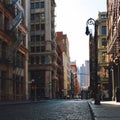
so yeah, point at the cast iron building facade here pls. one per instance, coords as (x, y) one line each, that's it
(102, 55)
(13, 50)
(113, 45)
(42, 46)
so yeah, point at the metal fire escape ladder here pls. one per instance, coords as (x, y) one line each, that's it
(15, 23)
(18, 19)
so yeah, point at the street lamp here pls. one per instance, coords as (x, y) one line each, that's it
(96, 86)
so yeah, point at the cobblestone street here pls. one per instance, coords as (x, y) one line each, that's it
(47, 110)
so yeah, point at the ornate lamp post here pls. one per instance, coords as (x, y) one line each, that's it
(94, 63)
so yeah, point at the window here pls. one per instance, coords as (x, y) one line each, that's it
(32, 60)
(104, 56)
(42, 48)
(42, 16)
(32, 27)
(33, 38)
(37, 27)
(19, 61)
(103, 16)
(104, 42)
(32, 49)
(37, 16)
(37, 5)
(4, 50)
(42, 5)
(42, 37)
(32, 5)
(32, 16)
(37, 37)
(37, 49)
(42, 59)
(37, 59)
(42, 26)
(103, 30)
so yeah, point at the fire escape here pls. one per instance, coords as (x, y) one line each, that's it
(15, 33)
(15, 23)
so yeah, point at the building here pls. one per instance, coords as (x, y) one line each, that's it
(63, 43)
(72, 86)
(113, 44)
(82, 75)
(76, 87)
(13, 50)
(87, 73)
(103, 56)
(42, 47)
(84, 79)
(60, 81)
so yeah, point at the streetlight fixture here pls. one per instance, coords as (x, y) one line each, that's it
(96, 86)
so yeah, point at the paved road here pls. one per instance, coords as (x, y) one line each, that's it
(47, 110)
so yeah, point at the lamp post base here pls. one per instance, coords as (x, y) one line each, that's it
(97, 100)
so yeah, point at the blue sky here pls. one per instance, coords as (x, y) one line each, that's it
(71, 17)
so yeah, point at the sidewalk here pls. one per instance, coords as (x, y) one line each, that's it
(108, 110)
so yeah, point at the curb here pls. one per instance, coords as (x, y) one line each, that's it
(91, 111)
(19, 103)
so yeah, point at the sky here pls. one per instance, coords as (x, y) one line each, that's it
(71, 17)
